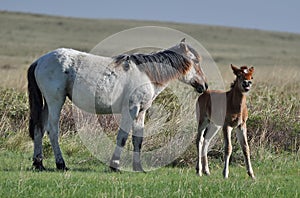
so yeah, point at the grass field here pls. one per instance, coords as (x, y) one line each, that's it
(273, 126)
(277, 176)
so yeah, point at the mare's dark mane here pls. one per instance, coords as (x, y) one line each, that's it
(160, 67)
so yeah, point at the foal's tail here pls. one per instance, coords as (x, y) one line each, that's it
(35, 101)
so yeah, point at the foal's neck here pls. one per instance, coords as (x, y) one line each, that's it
(236, 98)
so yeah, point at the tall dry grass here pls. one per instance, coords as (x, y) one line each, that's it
(273, 124)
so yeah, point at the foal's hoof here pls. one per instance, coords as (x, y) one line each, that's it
(252, 175)
(61, 166)
(38, 165)
(207, 173)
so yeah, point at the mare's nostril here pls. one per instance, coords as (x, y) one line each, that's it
(206, 86)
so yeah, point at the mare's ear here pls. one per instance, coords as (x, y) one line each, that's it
(122, 60)
(183, 45)
(235, 70)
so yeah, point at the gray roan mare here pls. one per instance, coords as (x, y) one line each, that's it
(138, 79)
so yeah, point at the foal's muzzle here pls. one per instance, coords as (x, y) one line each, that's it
(247, 85)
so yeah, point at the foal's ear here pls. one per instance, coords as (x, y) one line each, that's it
(235, 70)
(251, 70)
(182, 40)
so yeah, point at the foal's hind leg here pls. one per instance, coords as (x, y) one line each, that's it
(54, 108)
(227, 150)
(202, 127)
(211, 131)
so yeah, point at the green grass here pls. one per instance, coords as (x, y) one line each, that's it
(277, 176)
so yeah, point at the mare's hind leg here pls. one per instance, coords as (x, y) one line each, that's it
(211, 131)
(38, 149)
(242, 137)
(54, 109)
(202, 127)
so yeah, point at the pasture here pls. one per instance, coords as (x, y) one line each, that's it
(273, 124)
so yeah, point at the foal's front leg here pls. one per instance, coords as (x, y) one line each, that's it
(242, 137)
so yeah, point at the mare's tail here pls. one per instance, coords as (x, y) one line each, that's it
(35, 101)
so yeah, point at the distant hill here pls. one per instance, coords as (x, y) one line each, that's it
(25, 37)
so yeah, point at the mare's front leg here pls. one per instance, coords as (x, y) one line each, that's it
(137, 140)
(128, 118)
(122, 136)
(227, 149)
(242, 137)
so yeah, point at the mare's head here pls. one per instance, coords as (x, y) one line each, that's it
(194, 75)
(243, 77)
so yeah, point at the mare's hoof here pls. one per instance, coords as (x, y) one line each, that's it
(138, 168)
(114, 166)
(61, 166)
(113, 169)
(38, 164)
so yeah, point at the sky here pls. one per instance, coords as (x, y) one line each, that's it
(273, 15)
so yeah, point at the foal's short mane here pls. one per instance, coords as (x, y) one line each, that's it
(160, 67)
(233, 83)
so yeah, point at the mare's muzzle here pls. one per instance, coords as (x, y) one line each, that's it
(200, 88)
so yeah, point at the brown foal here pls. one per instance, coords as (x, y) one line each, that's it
(216, 109)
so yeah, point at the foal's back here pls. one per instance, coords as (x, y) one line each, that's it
(212, 105)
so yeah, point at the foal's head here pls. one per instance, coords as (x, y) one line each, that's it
(195, 75)
(243, 77)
